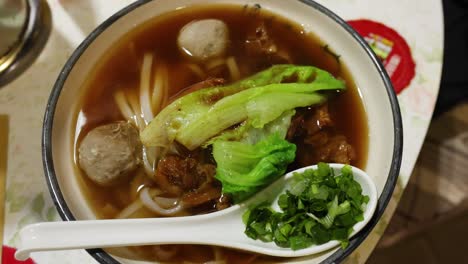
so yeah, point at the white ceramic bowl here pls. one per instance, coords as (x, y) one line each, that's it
(381, 106)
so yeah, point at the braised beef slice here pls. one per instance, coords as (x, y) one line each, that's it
(185, 173)
(308, 121)
(319, 120)
(208, 200)
(260, 46)
(331, 148)
(296, 129)
(259, 42)
(223, 202)
(203, 195)
(192, 178)
(313, 131)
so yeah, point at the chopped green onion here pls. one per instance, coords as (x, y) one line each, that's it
(320, 206)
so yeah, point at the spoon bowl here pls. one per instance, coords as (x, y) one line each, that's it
(222, 228)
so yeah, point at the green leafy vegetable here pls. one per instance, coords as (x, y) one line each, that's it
(318, 207)
(257, 101)
(247, 134)
(243, 168)
(250, 158)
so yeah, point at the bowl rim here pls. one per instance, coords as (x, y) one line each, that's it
(99, 254)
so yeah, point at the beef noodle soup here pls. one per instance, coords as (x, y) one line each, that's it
(146, 139)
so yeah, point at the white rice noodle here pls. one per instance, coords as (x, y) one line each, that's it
(145, 81)
(165, 254)
(197, 70)
(233, 68)
(153, 206)
(215, 63)
(138, 119)
(149, 160)
(130, 210)
(159, 88)
(123, 105)
(166, 202)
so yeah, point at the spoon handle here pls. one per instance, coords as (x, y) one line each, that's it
(203, 229)
(222, 228)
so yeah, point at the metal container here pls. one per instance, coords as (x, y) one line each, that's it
(24, 29)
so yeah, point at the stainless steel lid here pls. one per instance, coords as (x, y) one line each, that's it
(12, 21)
(24, 29)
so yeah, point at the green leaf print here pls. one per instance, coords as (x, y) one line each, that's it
(30, 218)
(51, 214)
(17, 204)
(38, 204)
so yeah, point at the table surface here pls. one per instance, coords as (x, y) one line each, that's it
(27, 200)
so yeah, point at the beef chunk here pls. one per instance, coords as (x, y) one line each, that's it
(296, 129)
(319, 120)
(223, 202)
(261, 47)
(308, 121)
(202, 195)
(177, 175)
(331, 148)
(259, 42)
(313, 131)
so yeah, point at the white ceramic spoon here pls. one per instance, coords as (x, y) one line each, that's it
(223, 228)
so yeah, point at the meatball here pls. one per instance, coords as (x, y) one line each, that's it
(204, 39)
(110, 152)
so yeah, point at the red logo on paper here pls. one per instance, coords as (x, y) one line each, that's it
(8, 257)
(391, 48)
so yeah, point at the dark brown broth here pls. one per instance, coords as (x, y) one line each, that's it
(120, 68)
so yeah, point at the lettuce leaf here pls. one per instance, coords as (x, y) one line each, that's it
(243, 168)
(246, 133)
(197, 117)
